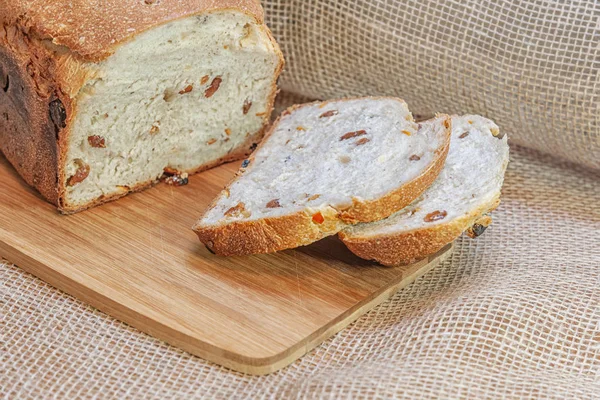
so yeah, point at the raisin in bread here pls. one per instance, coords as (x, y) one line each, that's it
(99, 99)
(466, 190)
(322, 167)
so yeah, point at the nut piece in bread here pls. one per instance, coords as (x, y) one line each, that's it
(323, 167)
(467, 189)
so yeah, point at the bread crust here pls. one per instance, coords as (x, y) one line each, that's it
(407, 247)
(41, 52)
(29, 138)
(93, 29)
(267, 235)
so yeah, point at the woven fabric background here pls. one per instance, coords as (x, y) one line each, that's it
(513, 314)
(533, 66)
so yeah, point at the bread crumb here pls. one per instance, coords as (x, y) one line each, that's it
(177, 180)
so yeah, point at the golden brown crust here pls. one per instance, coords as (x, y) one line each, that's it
(268, 235)
(92, 29)
(407, 247)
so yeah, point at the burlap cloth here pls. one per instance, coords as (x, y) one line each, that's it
(515, 313)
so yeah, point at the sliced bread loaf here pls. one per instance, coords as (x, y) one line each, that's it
(322, 167)
(103, 98)
(465, 191)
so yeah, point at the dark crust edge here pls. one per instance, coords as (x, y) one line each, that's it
(29, 139)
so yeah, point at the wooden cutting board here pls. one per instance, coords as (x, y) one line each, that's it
(138, 260)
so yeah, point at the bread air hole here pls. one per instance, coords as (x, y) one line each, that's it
(5, 82)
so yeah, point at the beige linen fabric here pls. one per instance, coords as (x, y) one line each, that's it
(514, 313)
(533, 66)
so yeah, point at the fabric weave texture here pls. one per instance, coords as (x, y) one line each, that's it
(533, 66)
(514, 313)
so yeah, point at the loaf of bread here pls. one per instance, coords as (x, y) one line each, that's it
(467, 189)
(99, 99)
(322, 167)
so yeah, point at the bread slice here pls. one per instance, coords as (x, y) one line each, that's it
(322, 167)
(99, 99)
(466, 190)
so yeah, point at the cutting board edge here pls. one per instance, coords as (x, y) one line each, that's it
(243, 364)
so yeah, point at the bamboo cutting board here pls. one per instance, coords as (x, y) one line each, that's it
(138, 260)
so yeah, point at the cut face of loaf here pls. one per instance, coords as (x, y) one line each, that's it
(322, 167)
(465, 191)
(176, 98)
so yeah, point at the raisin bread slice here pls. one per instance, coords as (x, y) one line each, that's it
(322, 167)
(99, 99)
(467, 189)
